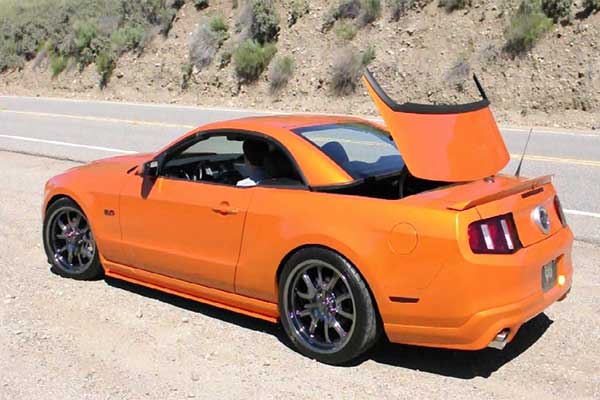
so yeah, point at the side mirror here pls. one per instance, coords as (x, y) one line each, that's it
(150, 169)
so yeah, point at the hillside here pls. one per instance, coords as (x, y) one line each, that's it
(427, 55)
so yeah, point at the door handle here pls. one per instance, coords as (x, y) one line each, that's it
(225, 209)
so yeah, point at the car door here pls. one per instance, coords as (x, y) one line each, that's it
(189, 230)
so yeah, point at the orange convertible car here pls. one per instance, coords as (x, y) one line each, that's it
(337, 227)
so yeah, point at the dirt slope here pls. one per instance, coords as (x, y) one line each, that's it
(556, 84)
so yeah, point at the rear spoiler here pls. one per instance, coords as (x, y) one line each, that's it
(525, 185)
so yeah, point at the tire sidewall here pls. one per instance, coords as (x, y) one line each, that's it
(365, 319)
(94, 270)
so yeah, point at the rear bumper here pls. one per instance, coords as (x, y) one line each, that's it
(481, 326)
(481, 329)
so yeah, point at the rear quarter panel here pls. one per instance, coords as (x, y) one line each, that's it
(281, 220)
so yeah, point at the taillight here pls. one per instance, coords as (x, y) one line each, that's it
(497, 235)
(559, 211)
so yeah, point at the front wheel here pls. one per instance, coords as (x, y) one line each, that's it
(69, 242)
(325, 307)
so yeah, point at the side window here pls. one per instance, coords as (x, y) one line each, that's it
(215, 145)
(236, 159)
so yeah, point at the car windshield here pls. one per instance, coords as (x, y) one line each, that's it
(362, 150)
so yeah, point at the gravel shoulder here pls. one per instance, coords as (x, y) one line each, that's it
(110, 340)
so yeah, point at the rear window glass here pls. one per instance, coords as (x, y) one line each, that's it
(362, 150)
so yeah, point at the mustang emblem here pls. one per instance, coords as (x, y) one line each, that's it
(540, 216)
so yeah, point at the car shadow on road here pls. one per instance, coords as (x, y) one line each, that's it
(451, 363)
(231, 317)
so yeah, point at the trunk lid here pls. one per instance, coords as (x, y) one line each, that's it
(449, 143)
(522, 197)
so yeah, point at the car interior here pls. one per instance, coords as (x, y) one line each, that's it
(225, 159)
(393, 185)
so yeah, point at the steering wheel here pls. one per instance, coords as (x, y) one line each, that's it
(181, 172)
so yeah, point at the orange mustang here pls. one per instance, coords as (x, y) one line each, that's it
(337, 227)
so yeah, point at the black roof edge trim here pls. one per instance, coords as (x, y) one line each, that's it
(339, 186)
(414, 108)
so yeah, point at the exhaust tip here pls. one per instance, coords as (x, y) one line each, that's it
(500, 340)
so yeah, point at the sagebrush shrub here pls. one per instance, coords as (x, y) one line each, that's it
(259, 21)
(345, 30)
(280, 73)
(399, 8)
(458, 74)
(362, 11)
(345, 9)
(206, 40)
(557, 9)
(127, 38)
(79, 30)
(368, 56)
(251, 58)
(298, 8)
(58, 63)
(187, 71)
(105, 65)
(527, 26)
(346, 71)
(370, 10)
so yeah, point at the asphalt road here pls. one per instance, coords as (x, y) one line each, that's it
(87, 130)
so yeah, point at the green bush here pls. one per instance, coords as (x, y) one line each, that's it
(557, 9)
(363, 11)
(206, 40)
(105, 65)
(251, 58)
(399, 8)
(298, 9)
(348, 9)
(527, 26)
(281, 72)
(226, 55)
(58, 63)
(186, 75)
(218, 24)
(347, 67)
(368, 56)
(451, 5)
(591, 5)
(369, 12)
(259, 21)
(78, 29)
(127, 38)
(345, 30)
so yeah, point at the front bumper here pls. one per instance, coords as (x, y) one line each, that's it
(481, 327)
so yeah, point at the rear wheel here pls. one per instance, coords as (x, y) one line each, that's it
(69, 242)
(325, 307)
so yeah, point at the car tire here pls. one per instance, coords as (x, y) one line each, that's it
(69, 242)
(347, 324)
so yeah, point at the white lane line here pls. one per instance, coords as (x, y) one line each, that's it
(544, 132)
(55, 142)
(584, 213)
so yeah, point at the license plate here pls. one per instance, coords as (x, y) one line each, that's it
(549, 276)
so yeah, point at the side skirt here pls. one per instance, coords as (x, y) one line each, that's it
(214, 297)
